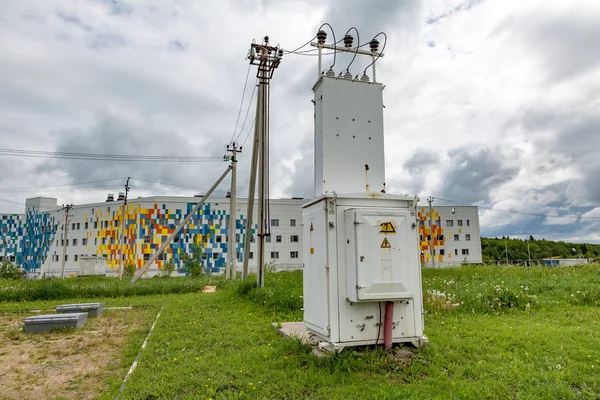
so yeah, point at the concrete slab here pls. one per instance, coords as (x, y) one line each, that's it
(92, 309)
(43, 323)
(298, 331)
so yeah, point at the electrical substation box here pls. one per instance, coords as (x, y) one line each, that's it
(361, 253)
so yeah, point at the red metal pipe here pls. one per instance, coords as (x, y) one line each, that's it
(387, 325)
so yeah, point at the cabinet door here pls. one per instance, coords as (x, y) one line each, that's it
(316, 272)
(378, 249)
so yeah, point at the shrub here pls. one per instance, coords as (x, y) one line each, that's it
(169, 268)
(10, 271)
(129, 269)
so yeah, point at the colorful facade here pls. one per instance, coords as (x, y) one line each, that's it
(449, 235)
(35, 239)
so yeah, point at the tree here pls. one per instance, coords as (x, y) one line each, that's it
(192, 262)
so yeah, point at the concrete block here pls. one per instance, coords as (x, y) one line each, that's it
(43, 323)
(92, 309)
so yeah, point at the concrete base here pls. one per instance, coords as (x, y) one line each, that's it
(92, 309)
(43, 323)
(298, 331)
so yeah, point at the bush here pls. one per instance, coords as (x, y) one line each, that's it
(10, 271)
(169, 268)
(129, 269)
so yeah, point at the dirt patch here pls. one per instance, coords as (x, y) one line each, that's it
(403, 357)
(72, 364)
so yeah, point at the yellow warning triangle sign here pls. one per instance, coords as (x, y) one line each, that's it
(387, 227)
(385, 244)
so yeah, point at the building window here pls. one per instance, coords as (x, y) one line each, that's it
(49, 243)
(468, 236)
(161, 256)
(218, 238)
(112, 240)
(275, 222)
(278, 238)
(294, 238)
(103, 240)
(86, 225)
(204, 256)
(84, 242)
(449, 222)
(438, 222)
(43, 228)
(468, 223)
(66, 257)
(429, 238)
(78, 226)
(268, 239)
(95, 241)
(117, 223)
(459, 222)
(250, 255)
(293, 254)
(292, 222)
(215, 256)
(440, 237)
(442, 252)
(95, 224)
(422, 222)
(146, 257)
(73, 226)
(465, 252)
(456, 238)
(76, 257)
(274, 255)
(74, 242)
(455, 252)
(420, 238)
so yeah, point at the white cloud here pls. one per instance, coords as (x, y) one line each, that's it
(489, 102)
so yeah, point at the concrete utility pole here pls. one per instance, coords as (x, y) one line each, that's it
(267, 58)
(123, 221)
(67, 210)
(230, 269)
(430, 200)
(169, 239)
(251, 191)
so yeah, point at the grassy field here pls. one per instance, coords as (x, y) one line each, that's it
(495, 332)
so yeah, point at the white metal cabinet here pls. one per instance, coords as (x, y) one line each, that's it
(334, 308)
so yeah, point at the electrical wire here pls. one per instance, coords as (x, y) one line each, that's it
(357, 46)
(380, 53)
(60, 186)
(173, 184)
(105, 157)
(515, 211)
(248, 134)
(12, 202)
(379, 327)
(247, 111)
(241, 103)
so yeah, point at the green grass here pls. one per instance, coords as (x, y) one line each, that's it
(87, 288)
(495, 332)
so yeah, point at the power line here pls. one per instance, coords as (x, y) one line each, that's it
(247, 111)
(107, 157)
(241, 104)
(517, 212)
(59, 186)
(174, 185)
(12, 202)
(248, 134)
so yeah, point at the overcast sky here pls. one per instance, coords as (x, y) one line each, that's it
(488, 102)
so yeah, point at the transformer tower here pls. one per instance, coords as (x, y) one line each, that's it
(362, 274)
